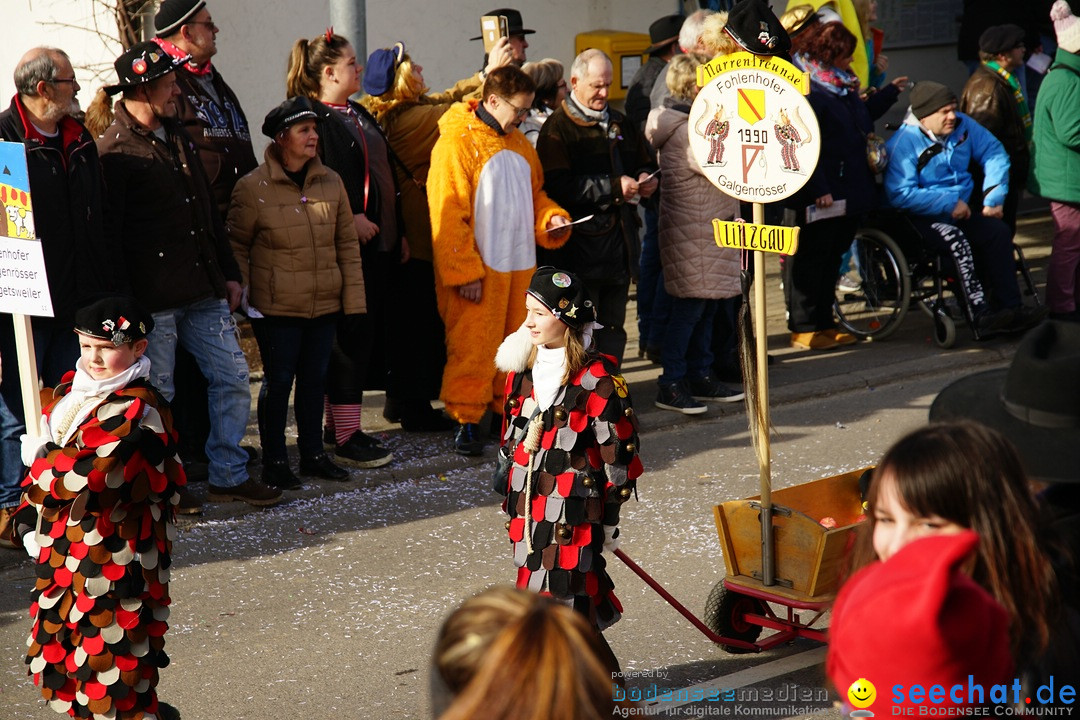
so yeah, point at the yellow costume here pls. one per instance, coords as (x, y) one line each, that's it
(488, 213)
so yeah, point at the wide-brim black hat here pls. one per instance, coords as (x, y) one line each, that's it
(664, 31)
(754, 27)
(564, 294)
(514, 24)
(142, 63)
(1035, 402)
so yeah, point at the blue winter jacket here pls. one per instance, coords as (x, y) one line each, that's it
(943, 178)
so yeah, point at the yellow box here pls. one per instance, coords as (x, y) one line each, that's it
(626, 50)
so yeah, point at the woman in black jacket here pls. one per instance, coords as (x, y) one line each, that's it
(842, 174)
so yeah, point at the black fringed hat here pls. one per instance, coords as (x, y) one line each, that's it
(754, 26)
(117, 318)
(1035, 402)
(142, 63)
(287, 114)
(174, 13)
(564, 295)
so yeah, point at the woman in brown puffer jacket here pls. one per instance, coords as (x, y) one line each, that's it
(697, 273)
(293, 235)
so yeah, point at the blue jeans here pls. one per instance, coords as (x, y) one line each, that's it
(687, 349)
(206, 329)
(56, 349)
(293, 348)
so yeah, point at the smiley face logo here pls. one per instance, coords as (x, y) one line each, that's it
(862, 693)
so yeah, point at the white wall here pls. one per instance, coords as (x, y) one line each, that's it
(256, 36)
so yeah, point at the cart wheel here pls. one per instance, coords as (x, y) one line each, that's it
(724, 612)
(944, 330)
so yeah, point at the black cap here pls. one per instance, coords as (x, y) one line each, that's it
(664, 31)
(927, 97)
(117, 318)
(142, 63)
(753, 26)
(564, 295)
(514, 23)
(287, 114)
(174, 13)
(1001, 38)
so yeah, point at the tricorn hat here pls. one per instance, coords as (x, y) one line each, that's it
(754, 26)
(1035, 402)
(172, 14)
(514, 23)
(564, 294)
(664, 31)
(117, 318)
(142, 63)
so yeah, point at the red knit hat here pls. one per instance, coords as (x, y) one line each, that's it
(918, 619)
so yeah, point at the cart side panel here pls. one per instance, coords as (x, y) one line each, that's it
(834, 548)
(725, 541)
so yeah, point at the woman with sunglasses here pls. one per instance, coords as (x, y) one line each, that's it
(488, 213)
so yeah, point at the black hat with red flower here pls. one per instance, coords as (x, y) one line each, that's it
(142, 63)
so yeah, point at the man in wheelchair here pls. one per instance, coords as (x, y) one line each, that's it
(928, 177)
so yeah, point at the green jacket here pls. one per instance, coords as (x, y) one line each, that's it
(1055, 157)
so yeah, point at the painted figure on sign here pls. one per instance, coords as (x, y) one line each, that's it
(790, 138)
(716, 132)
(23, 220)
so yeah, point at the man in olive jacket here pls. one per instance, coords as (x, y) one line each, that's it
(176, 257)
(1055, 166)
(595, 163)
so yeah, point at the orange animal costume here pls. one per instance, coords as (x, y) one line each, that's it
(488, 213)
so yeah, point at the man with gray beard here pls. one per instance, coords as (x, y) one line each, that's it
(66, 192)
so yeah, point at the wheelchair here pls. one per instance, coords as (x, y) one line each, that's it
(892, 270)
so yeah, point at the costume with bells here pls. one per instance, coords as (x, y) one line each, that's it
(97, 516)
(569, 458)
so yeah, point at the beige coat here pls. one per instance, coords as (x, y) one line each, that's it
(694, 267)
(297, 249)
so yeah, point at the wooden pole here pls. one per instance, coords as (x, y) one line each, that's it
(24, 346)
(764, 451)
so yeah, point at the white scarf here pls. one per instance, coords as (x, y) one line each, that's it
(86, 394)
(547, 374)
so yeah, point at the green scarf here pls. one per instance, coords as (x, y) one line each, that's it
(1021, 103)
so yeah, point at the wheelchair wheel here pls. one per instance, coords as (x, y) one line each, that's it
(872, 297)
(944, 330)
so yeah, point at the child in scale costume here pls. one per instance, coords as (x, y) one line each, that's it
(570, 448)
(97, 517)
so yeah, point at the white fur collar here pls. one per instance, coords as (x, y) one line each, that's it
(513, 354)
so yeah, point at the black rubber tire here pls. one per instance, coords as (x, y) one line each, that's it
(723, 615)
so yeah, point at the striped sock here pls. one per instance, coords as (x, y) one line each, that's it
(346, 420)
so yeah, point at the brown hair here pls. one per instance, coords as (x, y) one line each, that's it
(828, 43)
(506, 82)
(546, 74)
(306, 62)
(544, 662)
(99, 113)
(971, 475)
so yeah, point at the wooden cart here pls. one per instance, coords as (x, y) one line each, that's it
(807, 556)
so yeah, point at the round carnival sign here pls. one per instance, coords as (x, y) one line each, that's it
(752, 131)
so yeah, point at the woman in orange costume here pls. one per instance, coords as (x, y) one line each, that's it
(488, 213)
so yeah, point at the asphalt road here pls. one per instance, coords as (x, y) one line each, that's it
(327, 606)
